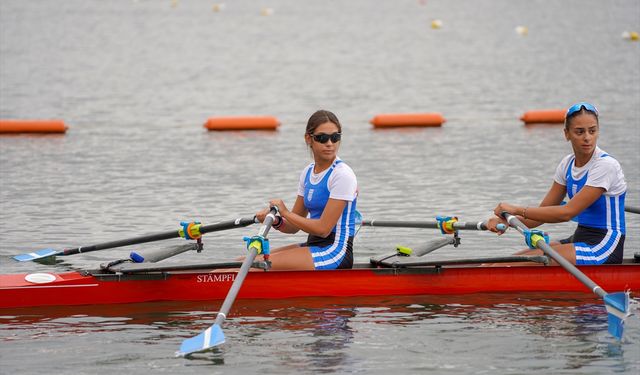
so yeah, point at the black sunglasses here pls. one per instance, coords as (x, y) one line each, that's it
(324, 138)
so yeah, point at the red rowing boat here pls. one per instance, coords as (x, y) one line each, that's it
(203, 282)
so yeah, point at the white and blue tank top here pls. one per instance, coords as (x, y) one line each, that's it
(607, 212)
(337, 182)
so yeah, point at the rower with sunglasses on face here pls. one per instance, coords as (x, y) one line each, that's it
(325, 207)
(595, 185)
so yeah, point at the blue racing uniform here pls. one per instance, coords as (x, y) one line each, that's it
(599, 237)
(338, 182)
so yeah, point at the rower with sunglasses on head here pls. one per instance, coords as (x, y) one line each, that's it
(325, 207)
(595, 185)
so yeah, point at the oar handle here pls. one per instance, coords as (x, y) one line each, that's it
(240, 222)
(549, 251)
(423, 224)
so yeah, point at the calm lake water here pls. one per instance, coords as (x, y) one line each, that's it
(135, 81)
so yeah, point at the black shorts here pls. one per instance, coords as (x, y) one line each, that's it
(316, 243)
(592, 241)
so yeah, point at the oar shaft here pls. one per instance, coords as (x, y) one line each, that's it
(119, 243)
(434, 245)
(241, 222)
(422, 224)
(242, 273)
(632, 209)
(549, 251)
(162, 254)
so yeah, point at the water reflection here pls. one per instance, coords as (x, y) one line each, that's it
(328, 315)
(332, 334)
(322, 335)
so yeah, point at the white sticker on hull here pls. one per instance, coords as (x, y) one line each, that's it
(40, 278)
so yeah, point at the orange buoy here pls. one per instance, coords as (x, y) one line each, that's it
(242, 123)
(32, 126)
(391, 120)
(544, 116)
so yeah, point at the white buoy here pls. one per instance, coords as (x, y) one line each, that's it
(522, 30)
(266, 11)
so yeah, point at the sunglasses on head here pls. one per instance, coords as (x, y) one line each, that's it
(324, 138)
(578, 107)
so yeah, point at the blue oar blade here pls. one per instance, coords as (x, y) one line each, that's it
(35, 255)
(207, 339)
(617, 305)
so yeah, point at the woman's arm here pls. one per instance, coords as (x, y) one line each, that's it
(297, 219)
(554, 197)
(298, 209)
(550, 209)
(559, 214)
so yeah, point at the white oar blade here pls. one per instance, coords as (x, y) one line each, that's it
(617, 305)
(35, 255)
(211, 337)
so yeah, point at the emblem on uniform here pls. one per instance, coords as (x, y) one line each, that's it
(310, 195)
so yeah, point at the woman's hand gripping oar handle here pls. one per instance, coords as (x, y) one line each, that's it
(617, 304)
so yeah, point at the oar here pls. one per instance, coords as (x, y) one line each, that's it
(151, 257)
(433, 245)
(162, 254)
(213, 336)
(617, 304)
(632, 209)
(240, 222)
(427, 224)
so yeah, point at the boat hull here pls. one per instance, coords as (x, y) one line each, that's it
(75, 288)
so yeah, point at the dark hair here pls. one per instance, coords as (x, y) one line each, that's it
(582, 110)
(320, 117)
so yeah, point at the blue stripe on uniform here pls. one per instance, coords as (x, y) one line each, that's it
(597, 254)
(329, 257)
